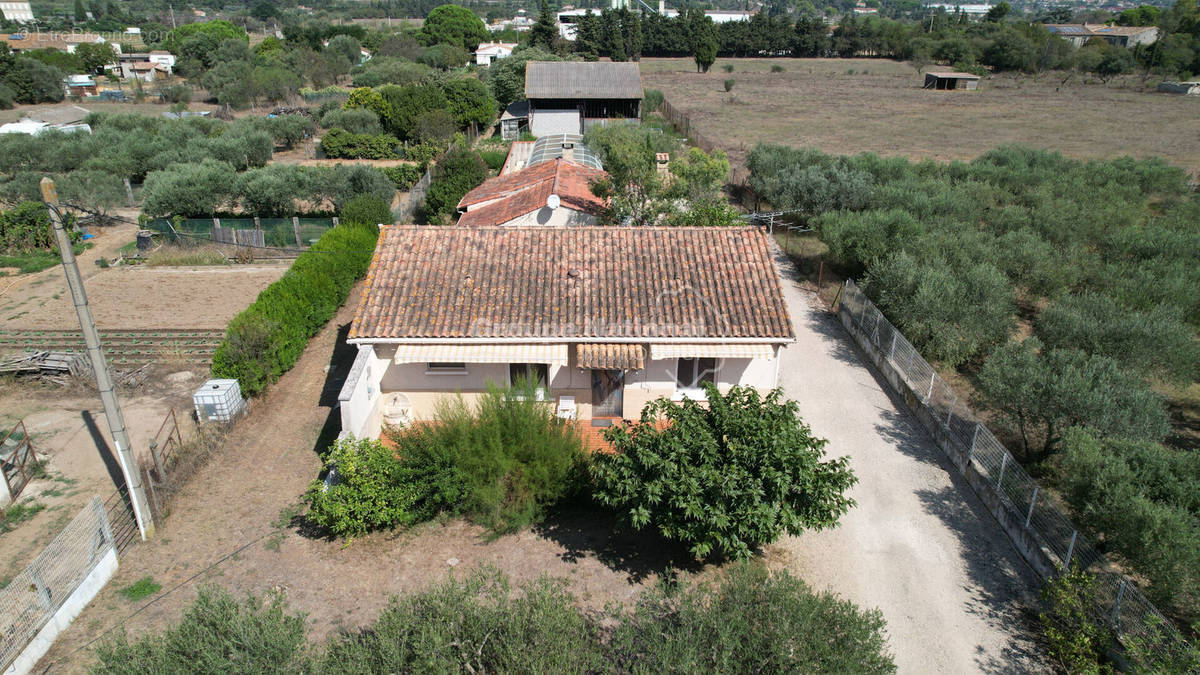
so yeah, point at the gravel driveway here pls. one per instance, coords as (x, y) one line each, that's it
(919, 545)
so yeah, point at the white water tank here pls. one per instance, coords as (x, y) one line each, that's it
(219, 401)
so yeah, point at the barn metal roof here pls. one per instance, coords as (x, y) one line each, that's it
(571, 79)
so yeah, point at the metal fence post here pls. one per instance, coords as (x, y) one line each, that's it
(1070, 551)
(974, 437)
(1116, 613)
(929, 394)
(892, 351)
(102, 518)
(950, 414)
(1003, 466)
(1032, 501)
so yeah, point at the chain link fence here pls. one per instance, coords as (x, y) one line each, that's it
(290, 233)
(36, 595)
(1044, 535)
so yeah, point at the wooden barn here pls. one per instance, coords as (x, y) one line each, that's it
(570, 97)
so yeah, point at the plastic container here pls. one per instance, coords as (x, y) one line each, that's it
(219, 401)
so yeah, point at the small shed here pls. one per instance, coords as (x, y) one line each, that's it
(951, 81)
(515, 116)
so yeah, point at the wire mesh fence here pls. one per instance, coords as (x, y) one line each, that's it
(974, 448)
(36, 593)
(297, 232)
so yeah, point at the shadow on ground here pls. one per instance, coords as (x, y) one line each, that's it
(588, 530)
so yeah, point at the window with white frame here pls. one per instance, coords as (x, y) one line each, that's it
(691, 374)
(535, 374)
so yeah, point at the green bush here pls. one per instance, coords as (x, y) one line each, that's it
(421, 153)
(265, 340)
(494, 158)
(1076, 634)
(476, 624)
(751, 621)
(355, 121)
(341, 144)
(366, 210)
(652, 101)
(500, 463)
(404, 175)
(367, 493)
(729, 84)
(456, 173)
(747, 621)
(217, 634)
(1143, 500)
(725, 478)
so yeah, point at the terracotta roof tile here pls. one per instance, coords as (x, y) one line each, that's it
(581, 282)
(518, 193)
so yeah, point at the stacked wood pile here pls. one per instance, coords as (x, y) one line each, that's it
(60, 367)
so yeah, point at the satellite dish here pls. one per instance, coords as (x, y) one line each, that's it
(553, 201)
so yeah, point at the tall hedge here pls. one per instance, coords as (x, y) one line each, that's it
(267, 338)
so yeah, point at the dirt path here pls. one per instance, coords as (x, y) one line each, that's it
(222, 530)
(919, 545)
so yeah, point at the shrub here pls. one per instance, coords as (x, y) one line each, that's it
(217, 634)
(367, 491)
(421, 153)
(500, 463)
(178, 93)
(652, 100)
(341, 144)
(729, 84)
(265, 339)
(1076, 635)
(728, 67)
(475, 624)
(777, 68)
(366, 210)
(494, 158)
(404, 175)
(752, 620)
(458, 171)
(722, 479)
(1143, 499)
(354, 120)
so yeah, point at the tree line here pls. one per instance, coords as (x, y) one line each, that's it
(995, 43)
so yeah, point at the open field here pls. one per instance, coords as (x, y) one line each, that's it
(127, 298)
(882, 108)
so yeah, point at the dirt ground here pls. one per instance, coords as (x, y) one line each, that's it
(223, 530)
(69, 432)
(882, 108)
(918, 546)
(134, 297)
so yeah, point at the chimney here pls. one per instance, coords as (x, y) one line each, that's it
(662, 163)
(568, 153)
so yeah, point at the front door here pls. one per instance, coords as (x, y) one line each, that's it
(606, 393)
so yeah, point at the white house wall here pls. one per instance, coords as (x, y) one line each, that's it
(425, 390)
(560, 217)
(550, 121)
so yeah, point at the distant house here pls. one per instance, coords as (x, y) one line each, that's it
(63, 42)
(569, 97)
(80, 85)
(17, 12)
(951, 81)
(1122, 36)
(490, 51)
(601, 319)
(552, 187)
(972, 10)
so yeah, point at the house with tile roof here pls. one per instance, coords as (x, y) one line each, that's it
(603, 319)
(547, 182)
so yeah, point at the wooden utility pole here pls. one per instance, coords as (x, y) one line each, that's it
(104, 382)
